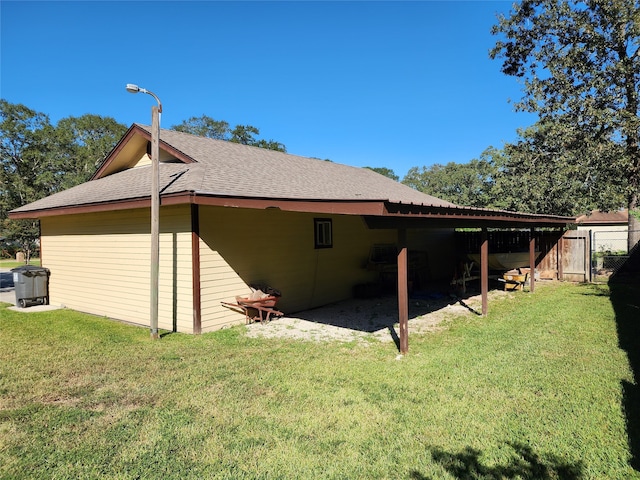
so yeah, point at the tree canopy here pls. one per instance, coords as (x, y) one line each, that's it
(469, 184)
(38, 159)
(580, 63)
(541, 172)
(387, 172)
(550, 169)
(23, 159)
(206, 126)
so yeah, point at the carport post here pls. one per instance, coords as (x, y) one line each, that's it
(403, 293)
(484, 270)
(560, 260)
(532, 260)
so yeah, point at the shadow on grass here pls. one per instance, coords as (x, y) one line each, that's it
(625, 298)
(525, 463)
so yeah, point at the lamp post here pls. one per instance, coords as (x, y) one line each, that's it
(155, 204)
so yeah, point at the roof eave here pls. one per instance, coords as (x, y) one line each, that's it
(379, 213)
(127, 204)
(471, 212)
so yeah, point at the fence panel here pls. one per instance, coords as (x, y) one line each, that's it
(547, 263)
(609, 253)
(575, 256)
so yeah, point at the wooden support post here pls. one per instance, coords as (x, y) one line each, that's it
(484, 270)
(532, 260)
(403, 292)
(195, 268)
(560, 247)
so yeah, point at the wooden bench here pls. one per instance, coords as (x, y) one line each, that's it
(514, 281)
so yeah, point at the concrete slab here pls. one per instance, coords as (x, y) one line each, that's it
(7, 296)
(35, 308)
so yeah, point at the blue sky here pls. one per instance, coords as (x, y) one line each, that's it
(380, 84)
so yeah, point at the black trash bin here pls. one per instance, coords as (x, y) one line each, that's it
(31, 285)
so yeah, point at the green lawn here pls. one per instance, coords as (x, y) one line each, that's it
(12, 263)
(540, 388)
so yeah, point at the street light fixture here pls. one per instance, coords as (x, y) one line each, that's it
(155, 204)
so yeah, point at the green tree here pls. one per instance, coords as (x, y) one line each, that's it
(25, 169)
(206, 126)
(550, 170)
(82, 145)
(580, 61)
(270, 145)
(244, 134)
(387, 172)
(21, 155)
(468, 184)
(38, 159)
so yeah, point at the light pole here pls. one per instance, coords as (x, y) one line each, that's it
(155, 204)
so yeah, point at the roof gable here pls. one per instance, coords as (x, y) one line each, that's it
(132, 147)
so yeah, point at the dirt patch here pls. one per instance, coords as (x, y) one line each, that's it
(369, 319)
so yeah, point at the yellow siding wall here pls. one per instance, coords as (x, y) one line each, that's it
(145, 159)
(218, 283)
(240, 247)
(100, 264)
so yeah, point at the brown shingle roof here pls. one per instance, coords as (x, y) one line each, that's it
(239, 170)
(129, 184)
(597, 217)
(215, 172)
(233, 170)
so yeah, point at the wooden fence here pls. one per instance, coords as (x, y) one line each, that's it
(564, 256)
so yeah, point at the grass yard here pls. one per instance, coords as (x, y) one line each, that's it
(543, 387)
(11, 263)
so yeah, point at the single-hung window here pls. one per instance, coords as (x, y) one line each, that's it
(323, 233)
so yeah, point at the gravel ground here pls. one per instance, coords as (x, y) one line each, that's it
(369, 319)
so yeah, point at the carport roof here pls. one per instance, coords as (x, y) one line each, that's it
(205, 171)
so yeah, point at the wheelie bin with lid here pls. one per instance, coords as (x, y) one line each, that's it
(31, 285)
